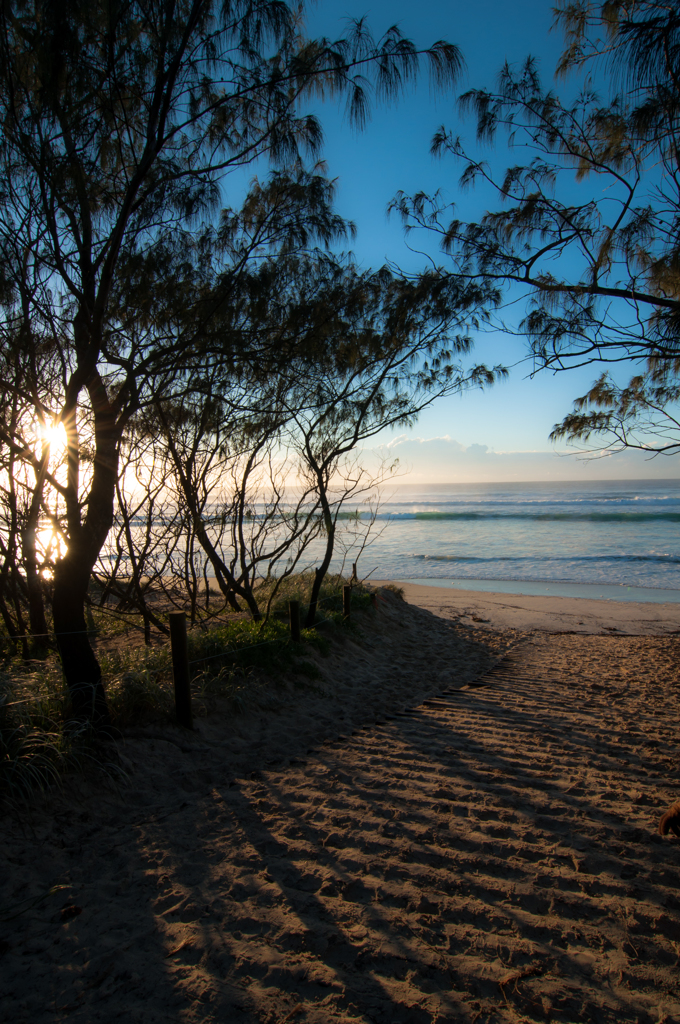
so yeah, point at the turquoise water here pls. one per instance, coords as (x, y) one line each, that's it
(616, 540)
(610, 539)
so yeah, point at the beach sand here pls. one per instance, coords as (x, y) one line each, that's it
(555, 614)
(458, 824)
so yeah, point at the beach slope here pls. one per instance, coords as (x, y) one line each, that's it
(457, 824)
(554, 614)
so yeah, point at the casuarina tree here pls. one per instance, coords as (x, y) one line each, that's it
(586, 234)
(120, 122)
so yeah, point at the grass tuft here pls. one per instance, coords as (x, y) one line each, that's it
(138, 684)
(36, 751)
(298, 588)
(237, 661)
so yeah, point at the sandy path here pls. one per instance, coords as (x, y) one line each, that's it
(489, 855)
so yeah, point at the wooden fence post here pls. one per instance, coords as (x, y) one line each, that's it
(180, 669)
(294, 619)
(346, 602)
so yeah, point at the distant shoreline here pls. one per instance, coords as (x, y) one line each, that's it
(552, 588)
(645, 481)
(497, 610)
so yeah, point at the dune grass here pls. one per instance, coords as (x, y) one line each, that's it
(242, 663)
(298, 588)
(38, 746)
(33, 749)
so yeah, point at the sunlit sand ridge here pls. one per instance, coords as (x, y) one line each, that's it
(489, 854)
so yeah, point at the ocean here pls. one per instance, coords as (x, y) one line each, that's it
(617, 539)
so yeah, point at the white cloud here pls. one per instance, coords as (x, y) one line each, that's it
(445, 460)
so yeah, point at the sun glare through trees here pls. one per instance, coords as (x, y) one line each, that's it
(172, 358)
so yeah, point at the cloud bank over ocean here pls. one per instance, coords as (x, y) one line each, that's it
(445, 460)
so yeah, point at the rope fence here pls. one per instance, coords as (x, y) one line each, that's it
(53, 635)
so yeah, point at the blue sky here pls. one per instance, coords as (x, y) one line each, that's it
(392, 153)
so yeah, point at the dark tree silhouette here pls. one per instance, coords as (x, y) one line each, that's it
(610, 418)
(120, 122)
(588, 233)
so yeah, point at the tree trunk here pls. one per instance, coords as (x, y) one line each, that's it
(36, 604)
(18, 596)
(9, 622)
(85, 540)
(81, 668)
(314, 598)
(320, 573)
(225, 579)
(29, 544)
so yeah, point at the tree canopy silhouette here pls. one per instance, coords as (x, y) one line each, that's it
(120, 123)
(588, 229)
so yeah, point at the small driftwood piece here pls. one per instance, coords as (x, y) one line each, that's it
(670, 822)
(515, 976)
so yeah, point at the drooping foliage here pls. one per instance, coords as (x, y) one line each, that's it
(642, 415)
(127, 274)
(587, 231)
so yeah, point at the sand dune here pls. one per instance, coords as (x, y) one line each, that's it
(471, 838)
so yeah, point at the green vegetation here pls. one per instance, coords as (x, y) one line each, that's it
(186, 358)
(585, 235)
(239, 662)
(36, 750)
(33, 751)
(276, 596)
